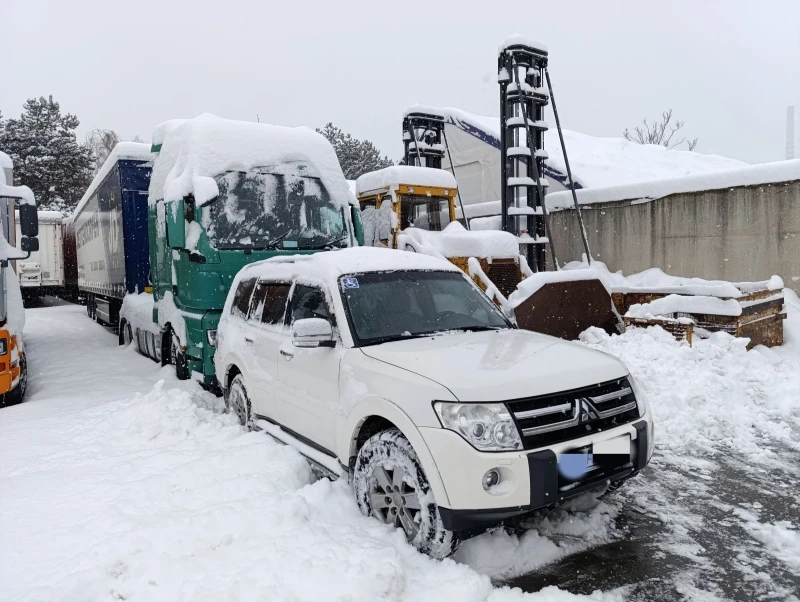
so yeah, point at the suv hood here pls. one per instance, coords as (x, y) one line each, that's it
(500, 365)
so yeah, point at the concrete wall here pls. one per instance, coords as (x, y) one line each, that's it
(737, 234)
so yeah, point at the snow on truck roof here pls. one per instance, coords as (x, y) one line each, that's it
(137, 151)
(392, 177)
(329, 265)
(194, 151)
(23, 193)
(597, 162)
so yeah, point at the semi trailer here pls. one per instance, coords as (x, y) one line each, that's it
(13, 359)
(165, 228)
(43, 272)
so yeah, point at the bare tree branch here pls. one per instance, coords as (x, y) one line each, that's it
(659, 132)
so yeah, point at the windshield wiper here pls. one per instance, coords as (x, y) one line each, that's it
(479, 328)
(273, 243)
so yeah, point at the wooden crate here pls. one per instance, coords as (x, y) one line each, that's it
(681, 331)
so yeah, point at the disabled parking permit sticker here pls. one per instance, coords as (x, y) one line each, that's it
(350, 282)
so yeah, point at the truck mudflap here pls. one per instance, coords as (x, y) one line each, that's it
(566, 309)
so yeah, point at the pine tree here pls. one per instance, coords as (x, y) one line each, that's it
(46, 154)
(356, 157)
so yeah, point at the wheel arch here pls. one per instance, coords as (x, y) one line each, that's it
(374, 413)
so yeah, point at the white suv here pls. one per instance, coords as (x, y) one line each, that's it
(395, 369)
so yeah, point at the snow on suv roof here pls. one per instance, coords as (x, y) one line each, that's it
(329, 265)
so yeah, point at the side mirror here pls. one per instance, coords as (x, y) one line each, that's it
(176, 224)
(28, 220)
(29, 244)
(358, 226)
(312, 332)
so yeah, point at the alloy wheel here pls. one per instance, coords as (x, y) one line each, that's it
(394, 502)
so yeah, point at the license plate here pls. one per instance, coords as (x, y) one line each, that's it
(617, 446)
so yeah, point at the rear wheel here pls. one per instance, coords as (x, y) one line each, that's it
(238, 403)
(125, 334)
(390, 485)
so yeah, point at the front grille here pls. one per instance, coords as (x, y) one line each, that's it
(549, 419)
(504, 275)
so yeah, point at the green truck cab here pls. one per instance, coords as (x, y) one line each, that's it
(252, 192)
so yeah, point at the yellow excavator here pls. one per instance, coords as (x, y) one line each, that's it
(413, 209)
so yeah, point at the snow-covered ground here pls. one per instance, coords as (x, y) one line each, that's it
(119, 482)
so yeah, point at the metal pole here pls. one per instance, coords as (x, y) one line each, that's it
(414, 137)
(535, 168)
(569, 171)
(453, 169)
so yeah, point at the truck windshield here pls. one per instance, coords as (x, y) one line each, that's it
(389, 306)
(258, 210)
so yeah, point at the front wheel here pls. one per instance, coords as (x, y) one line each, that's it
(17, 394)
(177, 357)
(237, 402)
(390, 485)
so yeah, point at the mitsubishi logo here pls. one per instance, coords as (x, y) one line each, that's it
(586, 410)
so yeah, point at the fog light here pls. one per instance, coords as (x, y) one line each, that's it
(491, 478)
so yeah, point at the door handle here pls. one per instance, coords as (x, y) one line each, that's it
(287, 354)
(248, 340)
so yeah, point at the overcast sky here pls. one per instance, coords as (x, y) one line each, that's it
(729, 68)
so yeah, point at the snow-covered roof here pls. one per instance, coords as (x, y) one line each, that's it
(329, 265)
(194, 151)
(597, 162)
(516, 39)
(123, 150)
(392, 177)
(417, 108)
(22, 193)
(751, 175)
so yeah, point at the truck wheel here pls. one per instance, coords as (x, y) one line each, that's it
(125, 334)
(237, 402)
(178, 359)
(390, 485)
(17, 394)
(90, 306)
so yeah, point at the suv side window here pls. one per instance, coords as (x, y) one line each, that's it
(241, 299)
(308, 302)
(257, 301)
(275, 305)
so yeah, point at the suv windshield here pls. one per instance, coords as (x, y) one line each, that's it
(388, 306)
(260, 210)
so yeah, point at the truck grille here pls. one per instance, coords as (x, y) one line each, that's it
(549, 419)
(504, 275)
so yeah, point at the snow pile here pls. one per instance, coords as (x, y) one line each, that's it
(673, 304)
(392, 177)
(665, 185)
(136, 151)
(456, 241)
(791, 325)
(714, 397)
(194, 151)
(137, 310)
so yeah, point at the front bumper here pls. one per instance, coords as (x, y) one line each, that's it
(534, 477)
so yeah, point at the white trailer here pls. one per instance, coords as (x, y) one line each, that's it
(43, 272)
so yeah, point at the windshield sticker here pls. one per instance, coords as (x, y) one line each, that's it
(350, 282)
(289, 244)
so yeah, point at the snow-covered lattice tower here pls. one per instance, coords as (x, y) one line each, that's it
(423, 130)
(523, 97)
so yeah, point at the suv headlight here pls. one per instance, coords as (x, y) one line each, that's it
(211, 335)
(641, 398)
(485, 426)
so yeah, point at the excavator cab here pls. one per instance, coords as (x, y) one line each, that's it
(413, 209)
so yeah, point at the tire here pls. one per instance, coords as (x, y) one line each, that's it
(389, 484)
(178, 359)
(125, 334)
(17, 394)
(90, 306)
(238, 402)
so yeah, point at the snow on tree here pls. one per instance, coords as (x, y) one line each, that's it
(46, 153)
(356, 157)
(101, 142)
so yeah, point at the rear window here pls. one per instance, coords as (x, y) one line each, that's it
(241, 299)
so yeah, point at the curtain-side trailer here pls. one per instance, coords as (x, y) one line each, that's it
(110, 229)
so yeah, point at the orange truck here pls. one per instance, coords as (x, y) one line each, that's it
(13, 362)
